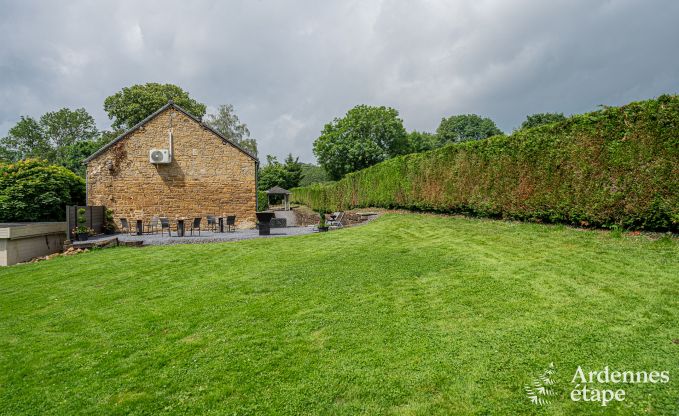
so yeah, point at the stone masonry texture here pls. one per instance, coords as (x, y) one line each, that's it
(207, 176)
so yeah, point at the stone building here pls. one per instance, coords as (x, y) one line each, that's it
(172, 165)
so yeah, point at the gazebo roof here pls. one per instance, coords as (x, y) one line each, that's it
(277, 190)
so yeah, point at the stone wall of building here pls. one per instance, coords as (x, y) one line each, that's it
(206, 177)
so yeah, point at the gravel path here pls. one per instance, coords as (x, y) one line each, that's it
(210, 237)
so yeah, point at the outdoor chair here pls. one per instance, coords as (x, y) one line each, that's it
(196, 225)
(230, 222)
(211, 222)
(125, 226)
(165, 223)
(337, 221)
(153, 225)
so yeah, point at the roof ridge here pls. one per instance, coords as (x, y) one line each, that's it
(170, 103)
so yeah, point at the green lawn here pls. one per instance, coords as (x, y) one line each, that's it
(410, 314)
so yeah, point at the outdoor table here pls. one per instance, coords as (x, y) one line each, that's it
(221, 224)
(140, 227)
(180, 228)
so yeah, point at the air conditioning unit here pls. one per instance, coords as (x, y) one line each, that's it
(159, 156)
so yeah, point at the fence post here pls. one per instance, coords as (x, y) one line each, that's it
(69, 223)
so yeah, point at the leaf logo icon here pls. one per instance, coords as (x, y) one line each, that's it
(538, 391)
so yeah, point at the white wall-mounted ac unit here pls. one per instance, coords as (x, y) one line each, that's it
(160, 156)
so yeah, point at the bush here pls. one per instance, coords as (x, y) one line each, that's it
(33, 190)
(616, 166)
(262, 201)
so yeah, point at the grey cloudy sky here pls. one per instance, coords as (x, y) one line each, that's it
(289, 67)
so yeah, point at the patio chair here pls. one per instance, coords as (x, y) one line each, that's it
(337, 221)
(196, 225)
(211, 222)
(153, 225)
(230, 222)
(165, 223)
(125, 226)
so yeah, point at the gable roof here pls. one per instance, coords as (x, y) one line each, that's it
(278, 190)
(170, 104)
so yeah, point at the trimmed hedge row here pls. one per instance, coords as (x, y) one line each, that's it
(617, 166)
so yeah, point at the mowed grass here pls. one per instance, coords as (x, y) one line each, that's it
(410, 314)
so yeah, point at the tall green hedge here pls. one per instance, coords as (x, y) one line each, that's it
(34, 190)
(616, 166)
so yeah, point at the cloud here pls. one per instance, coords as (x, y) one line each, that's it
(290, 67)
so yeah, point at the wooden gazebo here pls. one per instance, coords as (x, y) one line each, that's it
(277, 190)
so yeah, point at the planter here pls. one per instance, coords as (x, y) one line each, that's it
(264, 219)
(323, 229)
(83, 236)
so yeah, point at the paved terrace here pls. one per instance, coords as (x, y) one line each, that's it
(205, 237)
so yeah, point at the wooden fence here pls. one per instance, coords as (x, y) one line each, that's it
(95, 218)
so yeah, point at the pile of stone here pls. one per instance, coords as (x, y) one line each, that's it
(71, 251)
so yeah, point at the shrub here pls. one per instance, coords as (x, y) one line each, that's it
(616, 166)
(262, 201)
(33, 190)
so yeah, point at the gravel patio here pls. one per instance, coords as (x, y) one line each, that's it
(204, 237)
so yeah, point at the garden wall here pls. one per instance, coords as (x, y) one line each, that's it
(617, 166)
(21, 242)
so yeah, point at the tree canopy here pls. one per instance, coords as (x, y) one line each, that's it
(313, 174)
(538, 119)
(131, 105)
(34, 190)
(465, 127)
(64, 137)
(363, 137)
(420, 141)
(287, 175)
(227, 123)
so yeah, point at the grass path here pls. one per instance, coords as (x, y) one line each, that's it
(410, 314)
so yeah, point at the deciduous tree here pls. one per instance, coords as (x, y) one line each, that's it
(133, 104)
(363, 137)
(465, 127)
(227, 123)
(64, 137)
(420, 141)
(538, 119)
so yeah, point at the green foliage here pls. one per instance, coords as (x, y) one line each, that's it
(34, 190)
(321, 220)
(313, 174)
(262, 201)
(272, 174)
(81, 220)
(419, 141)
(286, 175)
(24, 141)
(227, 123)
(614, 166)
(293, 172)
(540, 119)
(133, 104)
(363, 137)
(466, 127)
(64, 137)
